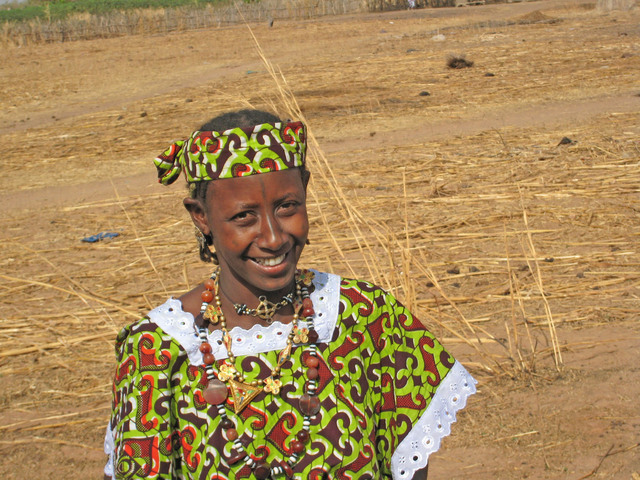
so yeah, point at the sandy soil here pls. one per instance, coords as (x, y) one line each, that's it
(76, 114)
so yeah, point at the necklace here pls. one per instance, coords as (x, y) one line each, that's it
(265, 309)
(217, 391)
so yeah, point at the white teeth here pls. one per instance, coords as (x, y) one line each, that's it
(270, 262)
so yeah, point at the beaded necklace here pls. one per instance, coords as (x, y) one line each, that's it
(230, 381)
(265, 309)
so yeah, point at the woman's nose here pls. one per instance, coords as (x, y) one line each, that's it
(271, 233)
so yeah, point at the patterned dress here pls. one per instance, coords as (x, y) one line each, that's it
(388, 393)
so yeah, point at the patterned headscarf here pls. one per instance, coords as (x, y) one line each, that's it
(237, 152)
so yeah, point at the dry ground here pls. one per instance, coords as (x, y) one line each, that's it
(522, 254)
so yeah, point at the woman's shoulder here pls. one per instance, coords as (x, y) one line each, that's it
(333, 289)
(339, 284)
(365, 290)
(168, 324)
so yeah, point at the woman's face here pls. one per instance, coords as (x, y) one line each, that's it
(259, 225)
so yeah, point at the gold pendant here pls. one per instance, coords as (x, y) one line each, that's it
(265, 309)
(272, 385)
(212, 313)
(242, 394)
(284, 355)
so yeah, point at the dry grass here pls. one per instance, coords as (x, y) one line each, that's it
(458, 61)
(565, 218)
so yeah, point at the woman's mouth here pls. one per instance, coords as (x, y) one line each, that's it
(270, 261)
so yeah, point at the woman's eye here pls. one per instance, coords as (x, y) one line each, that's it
(242, 216)
(287, 208)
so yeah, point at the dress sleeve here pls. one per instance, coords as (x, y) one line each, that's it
(421, 388)
(140, 431)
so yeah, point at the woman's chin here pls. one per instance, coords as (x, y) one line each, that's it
(275, 278)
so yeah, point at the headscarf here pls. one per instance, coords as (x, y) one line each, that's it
(238, 152)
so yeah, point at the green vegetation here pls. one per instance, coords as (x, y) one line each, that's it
(61, 9)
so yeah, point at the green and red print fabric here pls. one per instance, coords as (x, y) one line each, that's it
(388, 393)
(238, 152)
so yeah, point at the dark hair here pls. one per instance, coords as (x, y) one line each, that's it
(239, 118)
(226, 121)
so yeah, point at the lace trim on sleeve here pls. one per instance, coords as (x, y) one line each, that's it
(435, 423)
(109, 449)
(259, 339)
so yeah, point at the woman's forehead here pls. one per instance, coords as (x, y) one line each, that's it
(256, 188)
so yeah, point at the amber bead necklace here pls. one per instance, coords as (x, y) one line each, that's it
(228, 380)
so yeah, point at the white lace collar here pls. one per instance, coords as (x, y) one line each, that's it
(259, 339)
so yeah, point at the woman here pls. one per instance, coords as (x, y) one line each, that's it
(266, 370)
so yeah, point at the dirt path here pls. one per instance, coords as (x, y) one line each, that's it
(548, 116)
(176, 69)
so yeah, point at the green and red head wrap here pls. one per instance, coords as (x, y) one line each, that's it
(237, 152)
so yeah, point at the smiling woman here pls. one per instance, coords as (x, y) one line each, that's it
(266, 370)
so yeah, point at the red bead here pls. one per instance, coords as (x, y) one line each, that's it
(209, 284)
(312, 373)
(297, 446)
(312, 361)
(309, 405)
(215, 393)
(307, 303)
(308, 312)
(262, 471)
(303, 436)
(206, 296)
(208, 358)
(205, 347)
(313, 336)
(232, 434)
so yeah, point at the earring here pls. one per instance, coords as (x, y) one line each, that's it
(202, 241)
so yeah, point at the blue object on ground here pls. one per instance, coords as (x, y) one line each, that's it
(100, 236)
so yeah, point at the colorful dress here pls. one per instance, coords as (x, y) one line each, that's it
(388, 393)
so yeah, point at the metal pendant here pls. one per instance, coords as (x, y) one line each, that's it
(242, 394)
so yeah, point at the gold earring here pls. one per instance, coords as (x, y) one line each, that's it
(202, 241)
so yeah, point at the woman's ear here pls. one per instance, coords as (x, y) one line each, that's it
(198, 214)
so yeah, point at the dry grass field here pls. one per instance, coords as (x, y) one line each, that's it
(451, 187)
